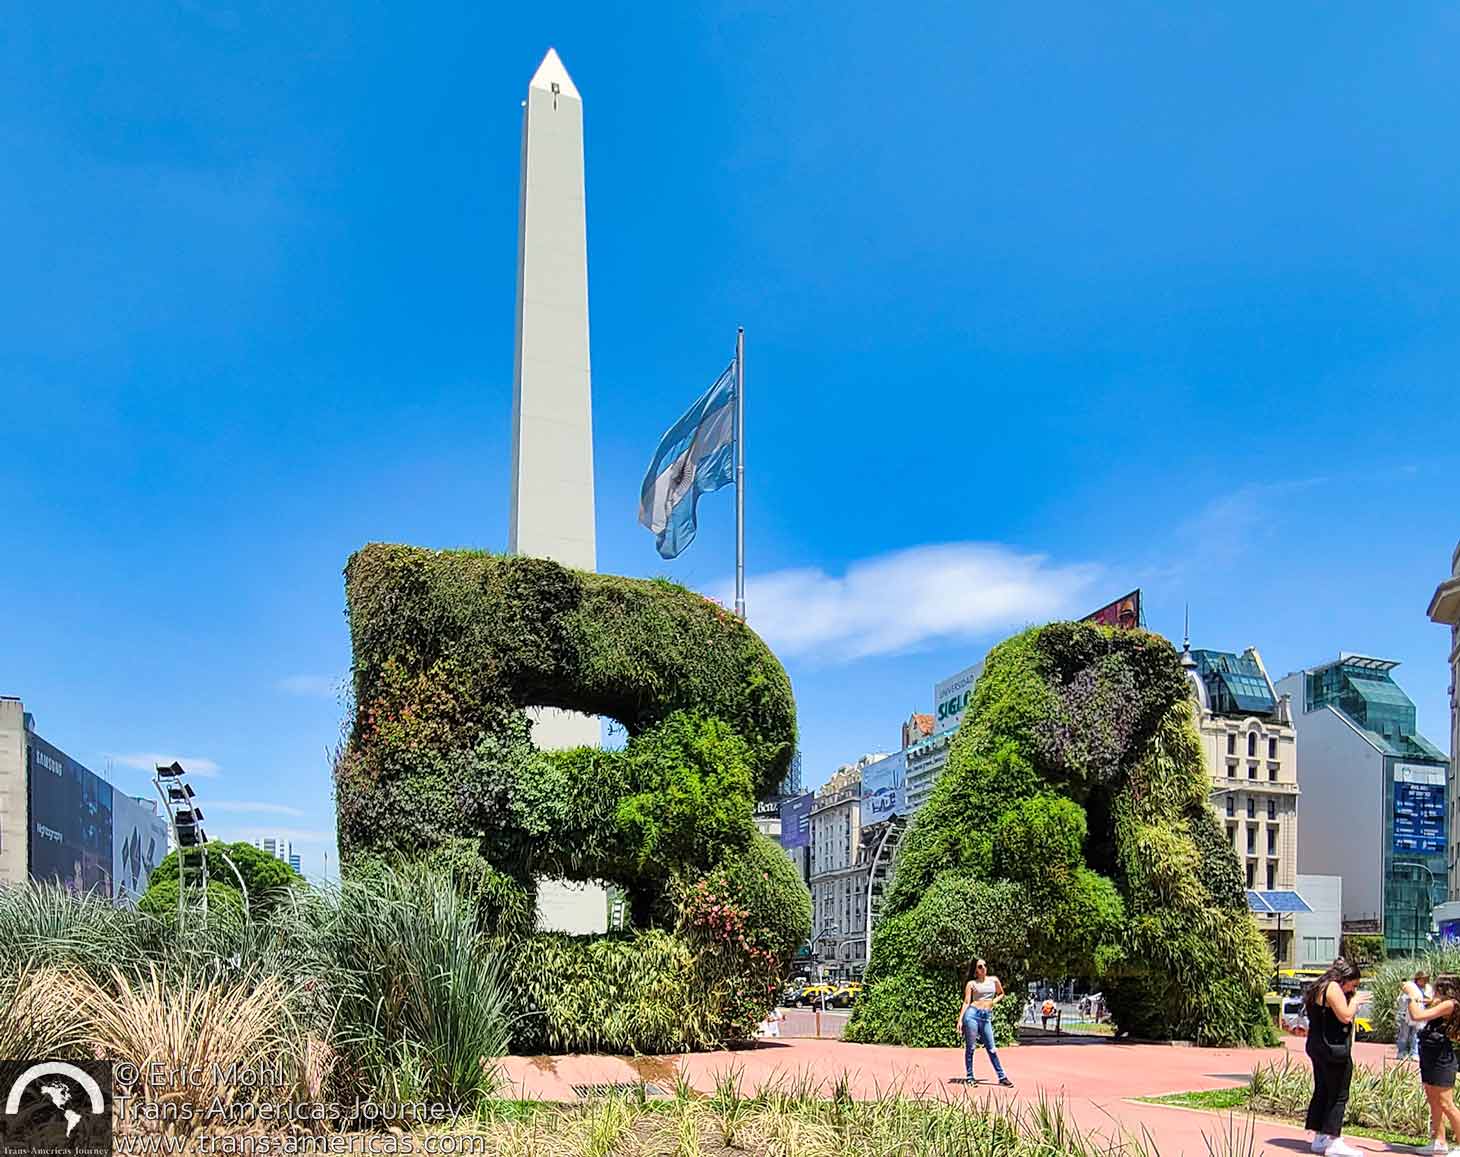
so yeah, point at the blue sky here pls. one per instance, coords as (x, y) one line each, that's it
(1041, 305)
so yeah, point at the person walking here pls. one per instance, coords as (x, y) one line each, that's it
(976, 1020)
(1406, 1030)
(1438, 1023)
(1331, 1008)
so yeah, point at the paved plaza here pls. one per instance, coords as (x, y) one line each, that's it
(1098, 1080)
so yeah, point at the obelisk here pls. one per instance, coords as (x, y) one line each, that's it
(552, 404)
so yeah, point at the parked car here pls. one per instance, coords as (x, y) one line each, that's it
(791, 994)
(844, 996)
(1294, 1015)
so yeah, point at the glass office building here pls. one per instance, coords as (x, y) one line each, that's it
(1374, 796)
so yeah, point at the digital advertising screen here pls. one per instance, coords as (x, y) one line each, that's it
(1419, 818)
(796, 821)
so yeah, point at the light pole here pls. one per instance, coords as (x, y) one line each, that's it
(829, 930)
(1419, 909)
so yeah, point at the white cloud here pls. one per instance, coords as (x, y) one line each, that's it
(148, 760)
(316, 686)
(939, 593)
(250, 807)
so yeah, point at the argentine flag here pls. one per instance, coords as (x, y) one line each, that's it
(694, 458)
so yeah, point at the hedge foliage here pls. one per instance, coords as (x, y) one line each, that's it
(450, 649)
(1070, 835)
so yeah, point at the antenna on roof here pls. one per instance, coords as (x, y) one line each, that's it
(1186, 630)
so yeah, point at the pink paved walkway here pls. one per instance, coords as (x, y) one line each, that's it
(1096, 1080)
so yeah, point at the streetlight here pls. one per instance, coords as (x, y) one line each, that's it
(1429, 898)
(829, 930)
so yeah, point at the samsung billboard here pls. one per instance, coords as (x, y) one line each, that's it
(70, 821)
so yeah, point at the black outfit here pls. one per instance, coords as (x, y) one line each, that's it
(1329, 1048)
(1436, 1055)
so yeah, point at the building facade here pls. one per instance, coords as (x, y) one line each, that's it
(927, 751)
(14, 794)
(1373, 807)
(62, 824)
(280, 849)
(839, 872)
(1445, 608)
(1250, 749)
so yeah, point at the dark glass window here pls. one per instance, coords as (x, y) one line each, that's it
(1231, 743)
(1252, 743)
(1231, 804)
(1251, 840)
(1251, 808)
(1272, 841)
(1272, 747)
(1252, 771)
(1271, 877)
(1251, 872)
(1272, 809)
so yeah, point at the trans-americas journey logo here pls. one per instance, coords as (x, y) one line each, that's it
(56, 1107)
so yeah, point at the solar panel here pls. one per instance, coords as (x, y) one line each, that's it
(1283, 902)
(1257, 904)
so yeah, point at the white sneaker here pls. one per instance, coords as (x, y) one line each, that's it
(1338, 1148)
(1321, 1142)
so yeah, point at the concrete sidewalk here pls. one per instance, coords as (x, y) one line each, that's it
(1097, 1081)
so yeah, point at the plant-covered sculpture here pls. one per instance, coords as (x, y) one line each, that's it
(450, 650)
(1070, 835)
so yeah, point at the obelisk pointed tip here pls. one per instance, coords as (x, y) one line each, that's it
(551, 72)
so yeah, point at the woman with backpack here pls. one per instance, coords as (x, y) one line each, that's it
(1331, 1009)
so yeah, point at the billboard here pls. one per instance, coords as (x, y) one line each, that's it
(1419, 818)
(950, 697)
(139, 841)
(1125, 612)
(70, 821)
(796, 821)
(884, 789)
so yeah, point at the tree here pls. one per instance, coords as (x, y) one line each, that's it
(265, 877)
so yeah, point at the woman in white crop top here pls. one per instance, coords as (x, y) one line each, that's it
(976, 1019)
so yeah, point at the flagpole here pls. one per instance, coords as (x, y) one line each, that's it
(740, 472)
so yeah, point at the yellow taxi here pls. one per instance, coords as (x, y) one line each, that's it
(846, 994)
(814, 994)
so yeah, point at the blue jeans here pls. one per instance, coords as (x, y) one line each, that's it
(1406, 1039)
(978, 1028)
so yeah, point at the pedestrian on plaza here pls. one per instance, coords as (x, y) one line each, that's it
(1439, 1021)
(976, 1020)
(1406, 1030)
(1331, 1008)
(1047, 1010)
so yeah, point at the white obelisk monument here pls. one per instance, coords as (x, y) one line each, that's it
(552, 403)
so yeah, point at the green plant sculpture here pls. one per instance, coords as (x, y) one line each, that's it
(450, 650)
(1070, 835)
